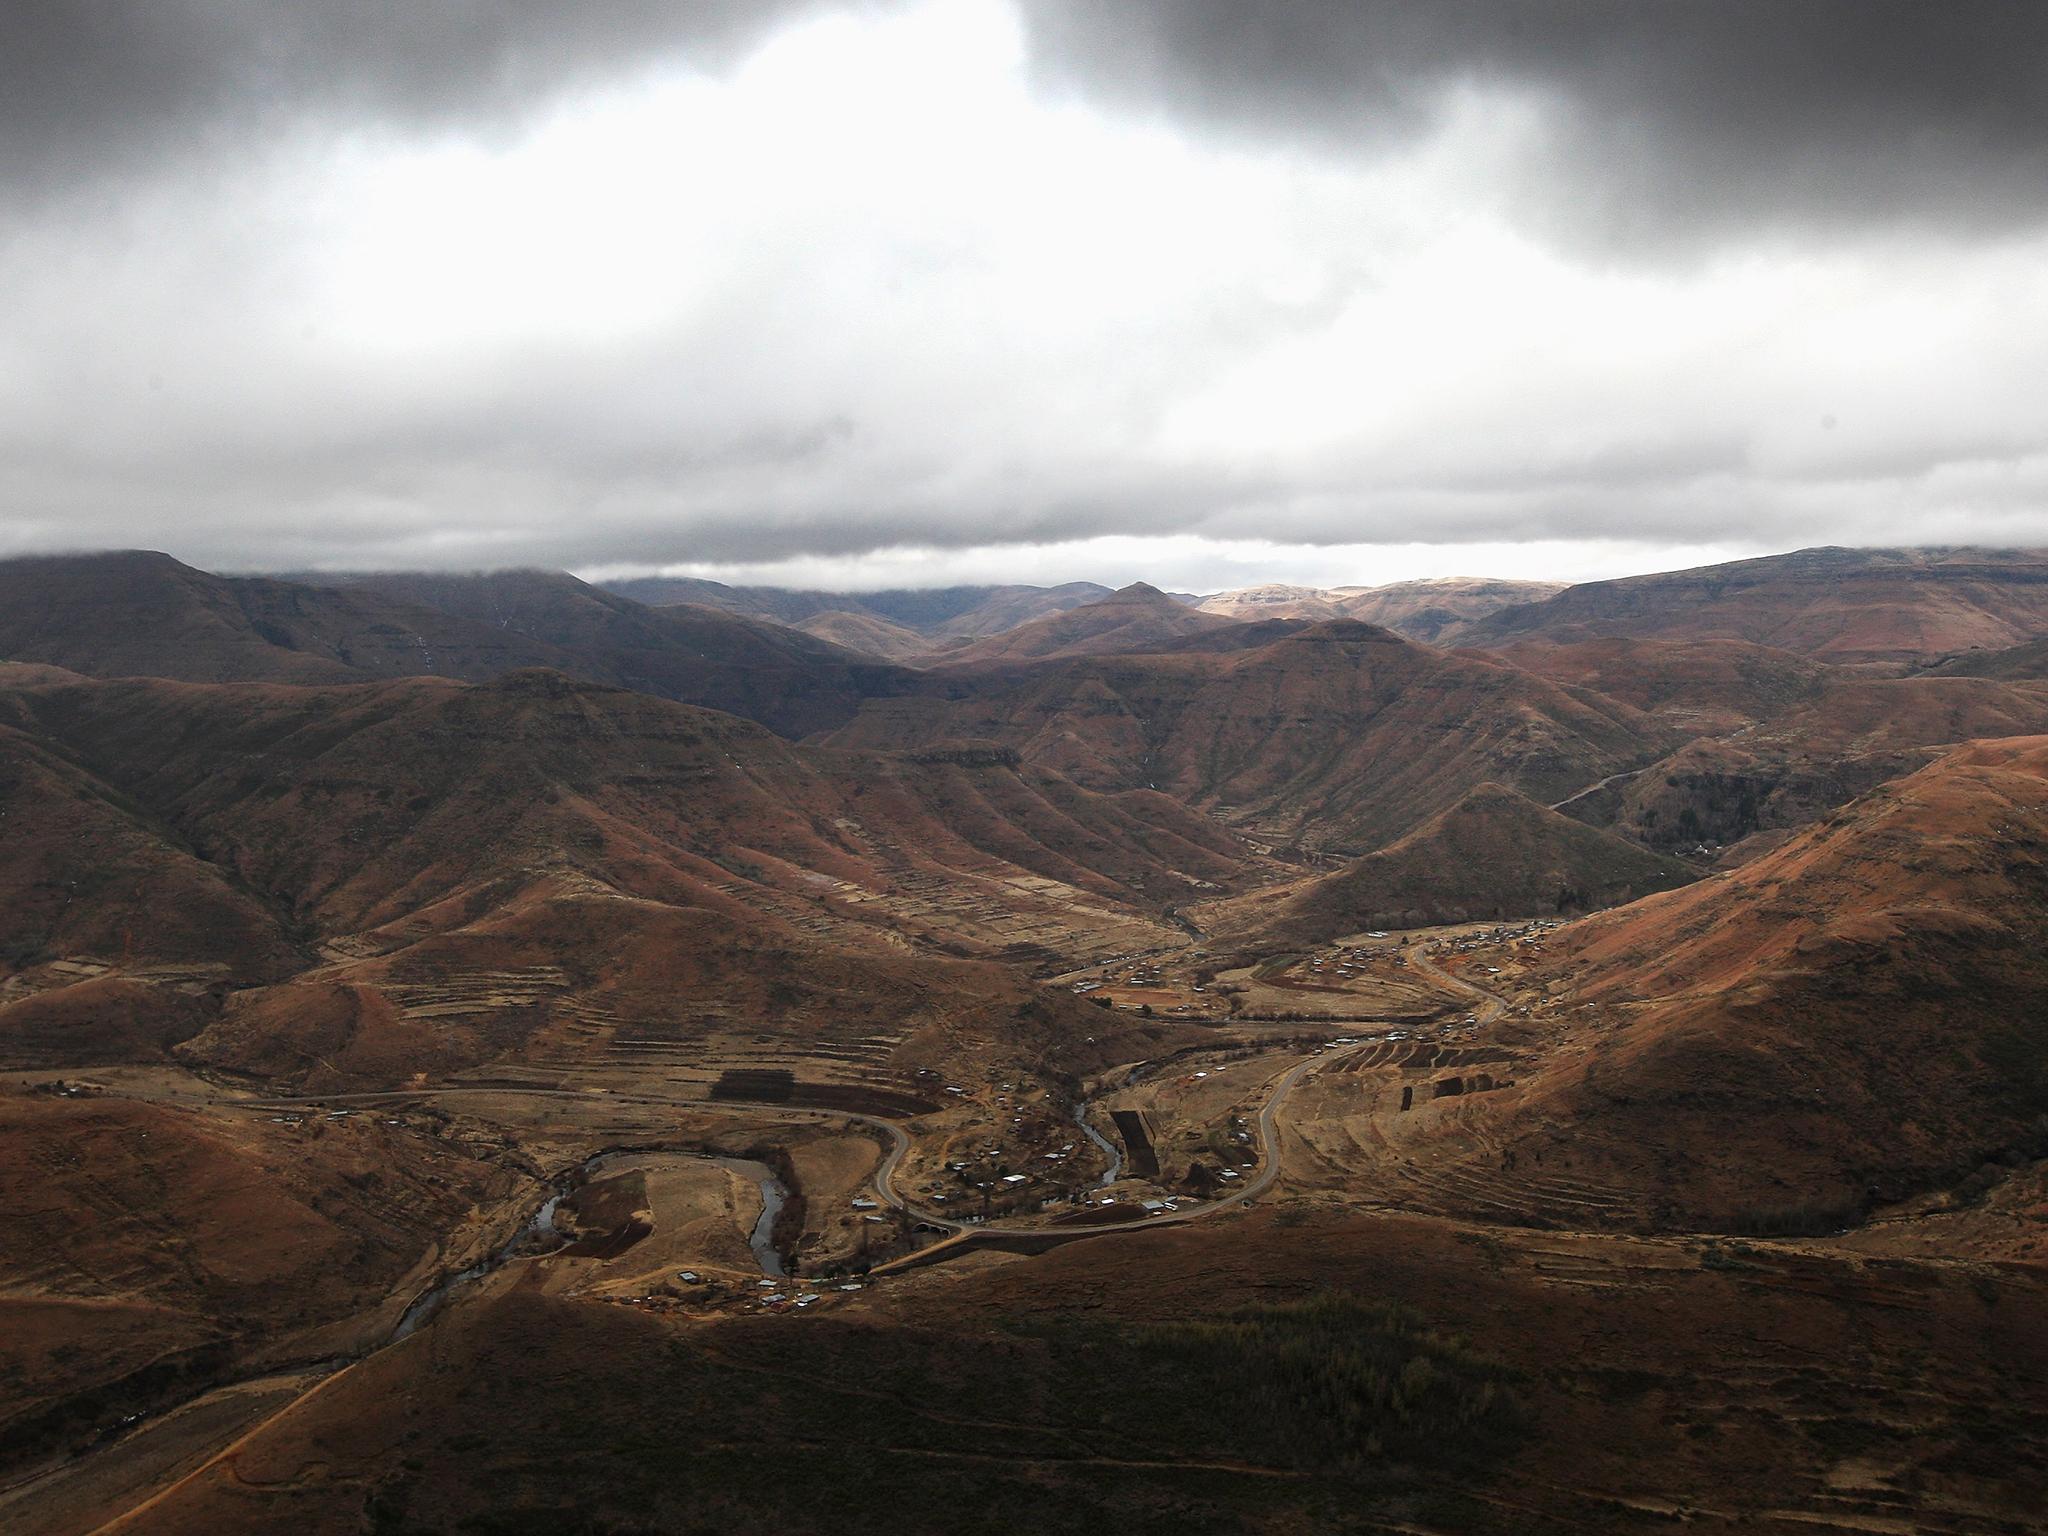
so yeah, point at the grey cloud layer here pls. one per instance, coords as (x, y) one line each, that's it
(92, 89)
(1664, 117)
(166, 380)
(1664, 120)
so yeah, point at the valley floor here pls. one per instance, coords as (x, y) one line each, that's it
(677, 1310)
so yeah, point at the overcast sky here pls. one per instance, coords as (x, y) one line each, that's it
(1197, 291)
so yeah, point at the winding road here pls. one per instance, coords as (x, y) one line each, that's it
(884, 1180)
(1593, 789)
(885, 1171)
(1490, 1007)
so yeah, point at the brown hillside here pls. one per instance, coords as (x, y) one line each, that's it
(148, 1250)
(1274, 601)
(1882, 607)
(88, 873)
(866, 633)
(359, 806)
(1495, 854)
(1703, 686)
(1267, 1351)
(2026, 661)
(511, 866)
(1849, 735)
(1851, 1017)
(1342, 735)
(1420, 610)
(1426, 610)
(1136, 618)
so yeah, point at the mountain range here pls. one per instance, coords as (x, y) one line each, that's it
(416, 986)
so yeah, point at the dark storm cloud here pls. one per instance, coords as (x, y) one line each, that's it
(92, 89)
(299, 283)
(1665, 121)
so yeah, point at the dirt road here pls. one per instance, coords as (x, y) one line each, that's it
(1490, 1007)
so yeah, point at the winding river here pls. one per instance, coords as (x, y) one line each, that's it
(773, 1197)
(539, 1234)
(432, 1299)
(1111, 1150)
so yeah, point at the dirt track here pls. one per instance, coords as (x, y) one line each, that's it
(965, 1237)
(1490, 1006)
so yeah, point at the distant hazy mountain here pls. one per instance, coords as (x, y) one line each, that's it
(939, 613)
(1137, 618)
(1337, 736)
(1848, 606)
(1494, 854)
(1420, 610)
(142, 614)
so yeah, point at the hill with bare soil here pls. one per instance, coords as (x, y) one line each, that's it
(867, 634)
(1136, 618)
(2027, 661)
(940, 613)
(1305, 1371)
(1708, 687)
(1495, 854)
(1339, 736)
(1850, 734)
(1428, 609)
(1276, 601)
(1847, 1019)
(1421, 610)
(150, 1251)
(144, 615)
(472, 854)
(85, 870)
(1858, 607)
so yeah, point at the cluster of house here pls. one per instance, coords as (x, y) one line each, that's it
(1526, 935)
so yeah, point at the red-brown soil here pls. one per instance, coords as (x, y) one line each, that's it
(1341, 736)
(1495, 854)
(140, 614)
(1102, 1386)
(154, 1249)
(1137, 618)
(1843, 1021)
(1706, 687)
(1870, 607)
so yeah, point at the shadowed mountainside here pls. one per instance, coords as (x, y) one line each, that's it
(1846, 1019)
(1341, 735)
(138, 614)
(1849, 735)
(1882, 607)
(644, 858)
(940, 613)
(1495, 854)
(1135, 618)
